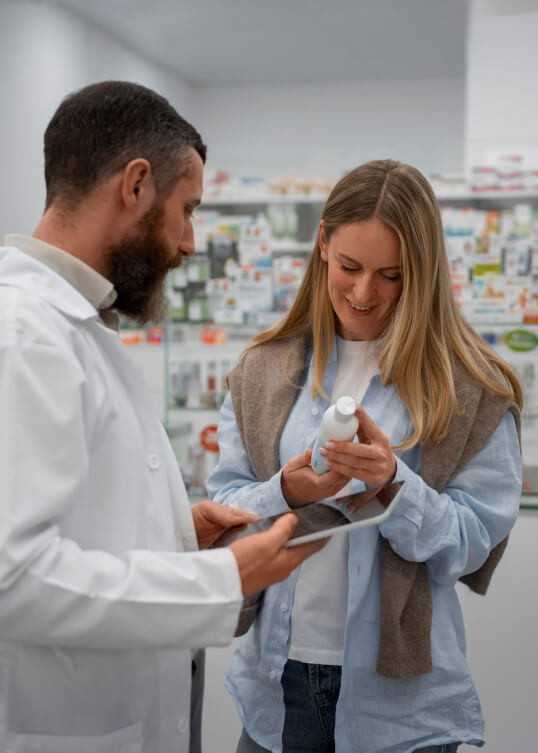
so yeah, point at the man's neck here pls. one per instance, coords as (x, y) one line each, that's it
(76, 233)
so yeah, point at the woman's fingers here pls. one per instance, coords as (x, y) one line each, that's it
(368, 427)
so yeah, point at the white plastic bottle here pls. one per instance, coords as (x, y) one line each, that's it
(339, 422)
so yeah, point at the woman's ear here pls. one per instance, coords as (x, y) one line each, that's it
(322, 241)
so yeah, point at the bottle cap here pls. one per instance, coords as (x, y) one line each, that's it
(345, 407)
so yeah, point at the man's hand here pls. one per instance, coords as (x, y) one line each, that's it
(301, 484)
(262, 558)
(211, 520)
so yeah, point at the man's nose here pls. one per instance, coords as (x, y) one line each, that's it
(187, 245)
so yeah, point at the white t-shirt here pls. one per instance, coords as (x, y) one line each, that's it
(320, 605)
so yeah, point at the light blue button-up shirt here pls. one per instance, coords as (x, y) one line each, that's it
(453, 532)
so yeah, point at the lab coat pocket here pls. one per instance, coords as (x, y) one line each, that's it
(126, 740)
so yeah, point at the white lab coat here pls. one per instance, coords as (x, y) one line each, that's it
(97, 609)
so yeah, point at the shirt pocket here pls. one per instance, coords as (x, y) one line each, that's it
(126, 740)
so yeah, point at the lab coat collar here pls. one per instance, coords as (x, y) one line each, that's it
(20, 270)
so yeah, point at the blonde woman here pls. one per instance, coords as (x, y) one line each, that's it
(363, 649)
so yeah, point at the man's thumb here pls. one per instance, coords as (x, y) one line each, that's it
(283, 528)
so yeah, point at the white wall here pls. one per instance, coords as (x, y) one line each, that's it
(502, 633)
(501, 112)
(45, 53)
(327, 129)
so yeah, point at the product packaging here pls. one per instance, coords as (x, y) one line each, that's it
(339, 422)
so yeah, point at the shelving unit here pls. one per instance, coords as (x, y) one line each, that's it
(186, 417)
(444, 196)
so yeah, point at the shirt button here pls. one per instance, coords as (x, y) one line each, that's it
(315, 410)
(283, 607)
(154, 462)
(272, 674)
(182, 726)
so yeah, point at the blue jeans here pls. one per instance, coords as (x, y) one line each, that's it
(310, 696)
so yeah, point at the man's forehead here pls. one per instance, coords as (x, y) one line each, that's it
(191, 164)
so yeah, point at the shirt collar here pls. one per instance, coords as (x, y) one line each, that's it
(93, 286)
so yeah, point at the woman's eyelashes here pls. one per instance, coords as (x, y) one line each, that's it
(392, 276)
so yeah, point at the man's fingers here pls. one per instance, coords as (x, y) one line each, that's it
(242, 516)
(223, 515)
(263, 559)
(302, 551)
(282, 529)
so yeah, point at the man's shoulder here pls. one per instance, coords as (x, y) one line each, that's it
(29, 318)
(40, 286)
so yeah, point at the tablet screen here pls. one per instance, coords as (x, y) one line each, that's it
(318, 520)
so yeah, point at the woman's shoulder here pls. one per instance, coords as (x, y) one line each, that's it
(468, 385)
(267, 359)
(277, 348)
(479, 405)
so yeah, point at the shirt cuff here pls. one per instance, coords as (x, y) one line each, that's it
(410, 508)
(270, 500)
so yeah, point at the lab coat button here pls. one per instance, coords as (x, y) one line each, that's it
(182, 726)
(315, 410)
(154, 462)
(283, 607)
(272, 674)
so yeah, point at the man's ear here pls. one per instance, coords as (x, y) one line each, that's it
(138, 190)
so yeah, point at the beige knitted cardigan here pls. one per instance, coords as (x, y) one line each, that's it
(263, 387)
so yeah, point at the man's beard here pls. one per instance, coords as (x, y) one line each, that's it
(137, 268)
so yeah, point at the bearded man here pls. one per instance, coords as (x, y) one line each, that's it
(105, 587)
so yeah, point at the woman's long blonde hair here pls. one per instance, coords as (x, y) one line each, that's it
(427, 332)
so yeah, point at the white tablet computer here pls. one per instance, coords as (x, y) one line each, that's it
(319, 520)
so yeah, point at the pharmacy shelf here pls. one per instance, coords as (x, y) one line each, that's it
(529, 501)
(490, 196)
(263, 200)
(291, 245)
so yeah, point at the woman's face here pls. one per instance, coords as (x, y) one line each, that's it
(364, 277)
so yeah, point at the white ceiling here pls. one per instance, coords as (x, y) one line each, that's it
(216, 42)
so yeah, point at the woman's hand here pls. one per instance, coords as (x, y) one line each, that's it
(301, 484)
(371, 459)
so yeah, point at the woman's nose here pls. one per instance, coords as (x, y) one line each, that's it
(363, 287)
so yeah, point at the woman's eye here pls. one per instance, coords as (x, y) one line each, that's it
(393, 277)
(346, 269)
